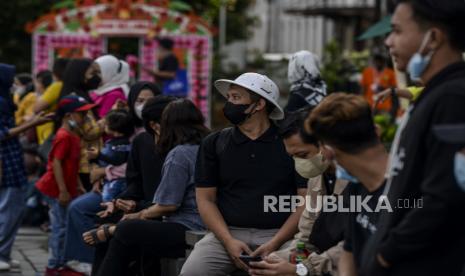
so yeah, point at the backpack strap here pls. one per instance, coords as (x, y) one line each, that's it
(224, 136)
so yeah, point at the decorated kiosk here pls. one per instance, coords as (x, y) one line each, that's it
(82, 28)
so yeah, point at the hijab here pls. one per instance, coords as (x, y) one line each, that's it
(136, 88)
(305, 77)
(115, 74)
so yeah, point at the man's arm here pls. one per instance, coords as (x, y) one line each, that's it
(35, 121)
(213, 219)
(285, 233)
(211, 216)
(346, 265)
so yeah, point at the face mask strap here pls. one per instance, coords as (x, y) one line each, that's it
(424, 42)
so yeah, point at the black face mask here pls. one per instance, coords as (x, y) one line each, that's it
(93, 83)
(235, 113)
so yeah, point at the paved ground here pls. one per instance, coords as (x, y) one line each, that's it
(30, 249)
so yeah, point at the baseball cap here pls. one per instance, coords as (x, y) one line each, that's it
(73, 103)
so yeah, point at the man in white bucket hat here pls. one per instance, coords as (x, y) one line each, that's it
(238, 171)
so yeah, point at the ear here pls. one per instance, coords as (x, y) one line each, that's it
(261, 104)
(438, 37)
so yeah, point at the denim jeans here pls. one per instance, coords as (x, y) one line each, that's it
(111, 189)
(11, 212)
(81, 215)
(56, 241)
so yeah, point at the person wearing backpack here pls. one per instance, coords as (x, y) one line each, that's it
(236, 170)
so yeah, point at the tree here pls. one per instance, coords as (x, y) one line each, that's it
(16, 42)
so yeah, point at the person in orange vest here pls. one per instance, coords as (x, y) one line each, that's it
(377, 78)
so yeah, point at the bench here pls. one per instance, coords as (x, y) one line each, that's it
(172, 267)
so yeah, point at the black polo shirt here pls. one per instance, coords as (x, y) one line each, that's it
(244, 172)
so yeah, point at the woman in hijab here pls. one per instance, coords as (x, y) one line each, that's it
(138, 95)
(12, 171)
(307, 86)
(115, 76)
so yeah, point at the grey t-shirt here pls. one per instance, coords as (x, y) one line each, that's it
(177, 186)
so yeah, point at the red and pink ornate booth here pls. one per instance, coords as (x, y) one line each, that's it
(82, 29)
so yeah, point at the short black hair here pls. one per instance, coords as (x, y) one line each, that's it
(447, 15)
(153, 110)
(120, 121)
(24, 78)
(59, 67)
(293, 123)
(45, 78)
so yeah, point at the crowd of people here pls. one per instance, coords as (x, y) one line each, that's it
(129, 170)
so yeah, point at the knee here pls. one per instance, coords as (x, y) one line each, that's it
(191, 269)
(124, 230)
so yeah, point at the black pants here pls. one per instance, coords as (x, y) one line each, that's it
(135, 238)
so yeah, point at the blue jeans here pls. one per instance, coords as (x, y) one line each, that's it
(11, 212)
(111, 189)
(81, 215)
(56, 241)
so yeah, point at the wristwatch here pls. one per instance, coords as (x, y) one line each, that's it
(301, 270)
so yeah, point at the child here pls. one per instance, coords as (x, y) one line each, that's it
(115, 152)
(61, 181)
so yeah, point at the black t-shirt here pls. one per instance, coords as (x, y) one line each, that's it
(143, 172)
(244, 172)
(169, 64)
(361, 225)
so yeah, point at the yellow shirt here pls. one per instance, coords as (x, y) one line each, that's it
(25, 108)
(50, 96)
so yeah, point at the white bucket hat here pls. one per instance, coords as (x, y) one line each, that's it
(259, 84)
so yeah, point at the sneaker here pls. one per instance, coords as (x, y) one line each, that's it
(15, 263)
(69, 272)
(84, 268)
(52, 271)
(4, 266)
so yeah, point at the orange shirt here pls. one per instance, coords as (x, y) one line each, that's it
(374, 81)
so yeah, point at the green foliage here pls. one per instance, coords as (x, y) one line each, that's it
(16, 42)
(180, 6)
(332, 65)
(64, 4)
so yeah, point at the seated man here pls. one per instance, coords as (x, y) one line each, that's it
(344, 125)
(321, 232)
(235, 170)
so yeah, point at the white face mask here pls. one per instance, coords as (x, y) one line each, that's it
(309, 168)
(19, 90)
(418, 63)
(138, 110)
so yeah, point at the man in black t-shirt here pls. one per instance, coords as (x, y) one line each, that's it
(344, 125)
(167, 62)
(236, 170)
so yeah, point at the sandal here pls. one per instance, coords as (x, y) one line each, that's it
(94, 234)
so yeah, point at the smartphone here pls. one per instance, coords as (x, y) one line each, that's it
(247, 259)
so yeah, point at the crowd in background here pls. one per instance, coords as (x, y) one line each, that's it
(117, 172)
